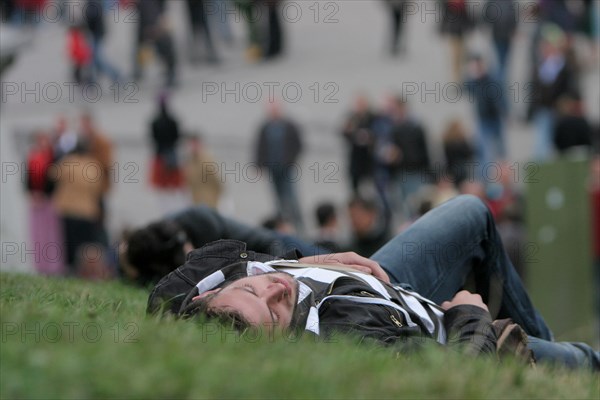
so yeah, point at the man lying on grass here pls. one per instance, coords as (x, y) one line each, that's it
(392, 298)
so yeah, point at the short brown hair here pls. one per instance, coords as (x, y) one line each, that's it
(229, 318)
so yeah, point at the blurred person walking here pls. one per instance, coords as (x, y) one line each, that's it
(154, 32)
(397, 12)
(277, 149)
(274, 40)
(504, 26)
(250, 10)
(456, 23)
(77, 200)
(94, 19)
(44, 226)
(486, 94)
(202, 174)
(200, 27)
(101, 149)
(385, 152)
(80, 53)
(553, 77)
(359, 137)
(459, 152)
(166, 176)
(412, 164)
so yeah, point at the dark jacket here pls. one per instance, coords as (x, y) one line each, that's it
(411, 140)
(165, 132)
(467, 325)
(358, 134)
(94, 18)
(487, 95)
(503, 17)
(288, 148)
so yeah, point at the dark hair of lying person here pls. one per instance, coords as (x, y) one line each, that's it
(156, 250)
(228, 318)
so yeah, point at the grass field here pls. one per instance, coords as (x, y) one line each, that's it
(64, 338)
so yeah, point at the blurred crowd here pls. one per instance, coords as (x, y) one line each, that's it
(209, 22)
(392, 176)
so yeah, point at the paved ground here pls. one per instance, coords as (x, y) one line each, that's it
(330, 56)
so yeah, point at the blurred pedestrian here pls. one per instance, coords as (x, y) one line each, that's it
(250, 10)
(328, 227)
(200, 27)
(504, 25)
(167, 176)
(154, 33)
(202, 174)
(572, 128)
(80, 53)
(101, 149)
(397, 12)
(94, 19)
(553, 77)
(359, 136)
(44, 226)
(77, 201)
(459, 152)
(385, 152)
(487, 98)
(412, 165)
(456, 23)
(278, 146)
(370, 226)
(274, 42)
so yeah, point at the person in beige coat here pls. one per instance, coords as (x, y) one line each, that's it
(79, 187)
(202, 175)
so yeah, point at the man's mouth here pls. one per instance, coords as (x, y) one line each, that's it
(288, 287)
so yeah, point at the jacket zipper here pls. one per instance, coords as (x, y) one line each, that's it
(396, 321)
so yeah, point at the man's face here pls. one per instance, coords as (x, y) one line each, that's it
(267, 299)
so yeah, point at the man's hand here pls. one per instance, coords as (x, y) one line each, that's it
(349, 259)
(465, 297)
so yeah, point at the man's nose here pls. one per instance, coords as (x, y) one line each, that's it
(275, 292)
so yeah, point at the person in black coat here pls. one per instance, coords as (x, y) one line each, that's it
(200, 26)
(572, 129)
(94, 19)
(358, 134)
(277, 150)
(166, 171)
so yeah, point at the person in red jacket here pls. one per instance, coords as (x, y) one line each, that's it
(80, 53)
(45, 235)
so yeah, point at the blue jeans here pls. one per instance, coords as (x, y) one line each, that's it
(101, 65)
(283, 178)
(457, 244)
(544, 125)
(567, 354)
(492, 146)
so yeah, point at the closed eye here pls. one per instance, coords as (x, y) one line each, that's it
(250, 289)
